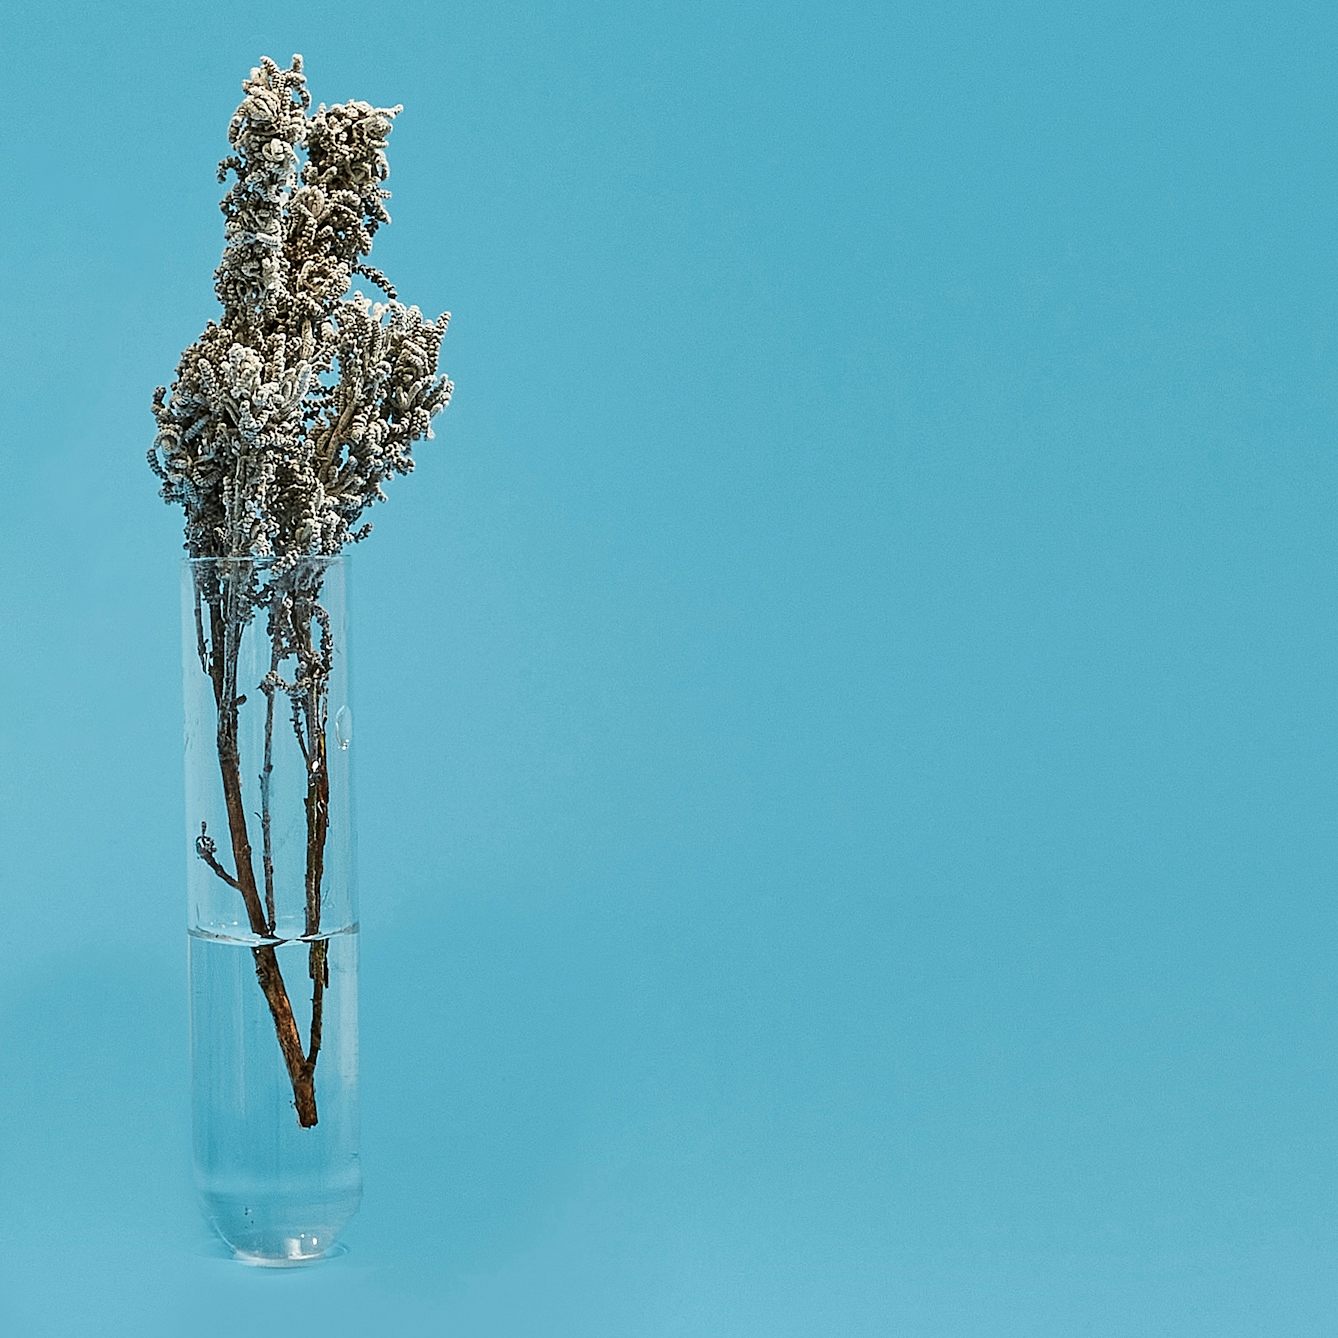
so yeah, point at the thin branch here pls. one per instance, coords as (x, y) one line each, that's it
(269, 686)
(318, 967)
(205, 848)
(201, 649)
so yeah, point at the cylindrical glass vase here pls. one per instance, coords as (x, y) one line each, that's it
(273, 925)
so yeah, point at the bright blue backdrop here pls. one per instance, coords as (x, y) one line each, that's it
(846, 705)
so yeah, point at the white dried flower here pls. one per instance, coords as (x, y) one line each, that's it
(289, 413)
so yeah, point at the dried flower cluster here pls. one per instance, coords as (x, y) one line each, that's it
(289, 413)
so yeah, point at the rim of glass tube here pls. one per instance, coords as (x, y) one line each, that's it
(268, 560)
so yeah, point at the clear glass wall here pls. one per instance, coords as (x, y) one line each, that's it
(272, 912)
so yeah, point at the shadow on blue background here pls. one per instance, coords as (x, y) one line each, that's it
(845, 705)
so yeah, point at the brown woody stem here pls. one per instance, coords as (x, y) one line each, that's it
(226, 630)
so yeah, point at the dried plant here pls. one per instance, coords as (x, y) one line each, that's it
(289, 413)
(286, 417)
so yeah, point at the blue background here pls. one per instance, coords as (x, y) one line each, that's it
(846, 705)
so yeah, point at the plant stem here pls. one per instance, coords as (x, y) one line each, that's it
(226, 627)
(317, 806)
(265, 772)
